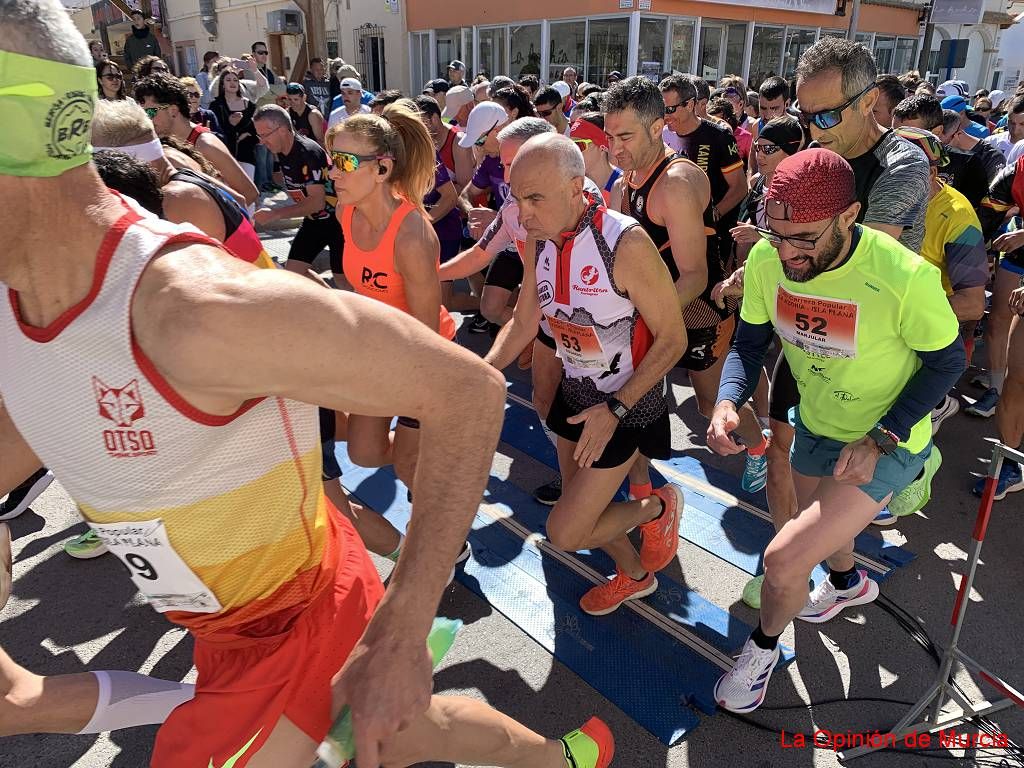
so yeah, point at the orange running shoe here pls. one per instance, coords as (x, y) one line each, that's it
(661, 535)
(591, 746)
(605, 598)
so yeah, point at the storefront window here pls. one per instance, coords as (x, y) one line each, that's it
(525, 51)
(420, 59)
(491, 52)
(449, 48)
(682, 45)
(568, 46)
(765, 55)
(904, 59)
(609, 47)
(651, 61)
(736, 41)
(797, 41)
(884, 47)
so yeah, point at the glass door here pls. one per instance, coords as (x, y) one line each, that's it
(712, 51)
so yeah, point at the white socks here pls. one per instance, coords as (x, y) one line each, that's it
(128, 699)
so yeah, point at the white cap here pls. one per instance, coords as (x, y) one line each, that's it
(457, 97)
(485, 117)
(997, 97)
(952, 88)
(351, 82)
(562, 87)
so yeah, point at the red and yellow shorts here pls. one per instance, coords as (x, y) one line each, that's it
(245, 686)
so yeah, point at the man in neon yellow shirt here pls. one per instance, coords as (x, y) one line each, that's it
(873, 344)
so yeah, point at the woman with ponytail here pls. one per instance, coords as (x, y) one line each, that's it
(383, 165)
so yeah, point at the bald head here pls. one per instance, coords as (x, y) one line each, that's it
(547, 181)
(555, 153)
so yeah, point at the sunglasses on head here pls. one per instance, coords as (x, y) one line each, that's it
(346, 162)
(830, 118)
(152, 112)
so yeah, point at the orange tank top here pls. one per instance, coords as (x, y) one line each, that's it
(373, 274)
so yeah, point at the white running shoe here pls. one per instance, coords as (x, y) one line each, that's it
(742, 689)
(826, 602)
(467, 550)
(949, 407)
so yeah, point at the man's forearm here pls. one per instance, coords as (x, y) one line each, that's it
(733, 197)
(295, 210)
(968, 303)
(512, 339)
(464, 265)
(457, 444)
(939, 371)
(660, 358)
(742, 368)
(691, 284)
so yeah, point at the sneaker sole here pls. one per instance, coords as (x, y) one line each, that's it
(646, 591)
(937, 424)
(91, 554)
(835, 610)
(464, 555)
(891, 520)
(760, 699)
(658, 565)
(931, 470)
(1008, 490)
(545, 502)
(34, 492)
(972, 411)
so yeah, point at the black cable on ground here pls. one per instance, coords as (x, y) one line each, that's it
(920, 635)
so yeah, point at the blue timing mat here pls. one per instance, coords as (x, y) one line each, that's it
(674, 642)
(734, 533)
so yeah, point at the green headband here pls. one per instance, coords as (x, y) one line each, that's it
(47, 111)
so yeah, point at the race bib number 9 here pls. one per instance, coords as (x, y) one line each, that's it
(819, 326)
(157, 570)
(577, 345)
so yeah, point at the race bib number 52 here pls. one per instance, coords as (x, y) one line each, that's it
(157, 570)
(817, 325)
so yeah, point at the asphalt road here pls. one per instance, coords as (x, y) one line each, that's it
(68, 616)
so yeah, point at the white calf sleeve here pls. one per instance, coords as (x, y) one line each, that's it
(128, 699)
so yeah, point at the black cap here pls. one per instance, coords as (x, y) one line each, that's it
(438, 85)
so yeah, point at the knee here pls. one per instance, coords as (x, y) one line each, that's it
(492, 306)
(565, 537)
(784, 566)
(778, 456)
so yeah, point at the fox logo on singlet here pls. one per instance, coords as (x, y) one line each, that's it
(123, 407)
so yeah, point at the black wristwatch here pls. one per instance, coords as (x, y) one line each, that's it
(886, 440)
(618, 408)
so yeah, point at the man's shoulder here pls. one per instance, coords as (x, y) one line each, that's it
(715, 128)
(893, 150)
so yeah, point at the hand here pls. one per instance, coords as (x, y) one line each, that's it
(6, 569)
(856, 465)
(745, 233)
(724, 421)
(1017, 301)
(479, 220)
(235, 118)
(731, 286)
(263, 216)
(1009, 241)
(386, 683)
(599, 424)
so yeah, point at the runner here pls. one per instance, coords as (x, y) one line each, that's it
(306, 118)
(458, 160)
(504, 232)
(1010, 412)
(380, 165)
(548, 104)
(596, 278)
(352, 103)
(587, 133)
(304, 166)
(866, 390)
(165, 100)
(953, 243)
(670, 197)
(212, 433)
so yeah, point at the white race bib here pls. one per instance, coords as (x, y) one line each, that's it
(578, 345)
(157, 570)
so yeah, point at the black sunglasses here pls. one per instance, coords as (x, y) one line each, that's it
(830, 118)
(670, 109)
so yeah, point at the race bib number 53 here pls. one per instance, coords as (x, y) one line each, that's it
(817, 325)
(157, 570)
(577, 345)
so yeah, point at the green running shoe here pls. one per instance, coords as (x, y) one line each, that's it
(914, 497)
(86, 546)
(591, 746)
(752, 592)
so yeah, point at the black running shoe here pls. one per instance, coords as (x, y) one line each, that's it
(479, 324)
(21, 498)
(549, 493)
